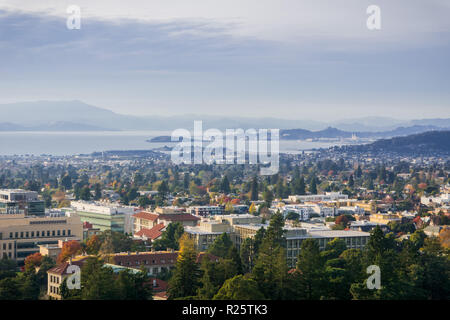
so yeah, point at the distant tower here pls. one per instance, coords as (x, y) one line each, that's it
(354, 136)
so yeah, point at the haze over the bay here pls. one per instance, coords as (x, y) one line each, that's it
(305, 60)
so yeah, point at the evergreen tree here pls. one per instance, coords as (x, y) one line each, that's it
(221, 246)
(311, 269)
(186, 275)
(254, 190)
(313, 186)
(239, 288)
(225, 185)
(270, 270)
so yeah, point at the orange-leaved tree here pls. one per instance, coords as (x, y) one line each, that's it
(69, 249)
(32, 261)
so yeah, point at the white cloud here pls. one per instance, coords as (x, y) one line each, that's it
(280, 20)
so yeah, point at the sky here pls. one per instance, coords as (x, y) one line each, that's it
(293, 59)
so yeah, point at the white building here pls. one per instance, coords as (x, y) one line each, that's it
(92, 211)
(440, 200)
(328, 196)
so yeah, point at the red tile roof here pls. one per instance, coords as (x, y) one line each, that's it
(146, 258)
(152, 233)
(61, 269)
(160, 296)
(155, 258)
(146, 215)
(211, 257)
(160, 285)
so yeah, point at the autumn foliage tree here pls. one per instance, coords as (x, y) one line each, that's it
(32, 261)
(69, 249)
(93, 245)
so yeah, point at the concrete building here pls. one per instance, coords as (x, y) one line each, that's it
(209, 229)
(16, 201)
(21, 235)
(294, 237)
(442, 199)
(328, 196)
(384, 218)
(303, 211)
(106, 216)
(205, 211)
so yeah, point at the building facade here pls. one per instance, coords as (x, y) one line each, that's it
(17, 201)
(21, 235)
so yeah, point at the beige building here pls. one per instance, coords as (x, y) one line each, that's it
(56, 276)
(21, 235)
(384, 218)
(209, 229)
(243, 226)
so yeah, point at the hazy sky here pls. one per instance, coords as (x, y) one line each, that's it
(292, 59)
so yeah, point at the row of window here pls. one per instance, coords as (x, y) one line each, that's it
(54, 279)
(54, 290)
(39, 234)
(9, 246)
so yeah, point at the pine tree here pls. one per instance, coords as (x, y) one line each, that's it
(225, 185)
(313, 186)
(186, 275)
(270, 271)
(254, 190)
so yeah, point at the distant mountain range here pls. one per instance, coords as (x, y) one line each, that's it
(79, 116)
(52, 126)
(434, 143)
(332, 133)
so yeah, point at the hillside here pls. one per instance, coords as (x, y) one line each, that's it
(433, 143)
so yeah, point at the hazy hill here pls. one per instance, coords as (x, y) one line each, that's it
(433, 143)
(79, 116)
(301, 134)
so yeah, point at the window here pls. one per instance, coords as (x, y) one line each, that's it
(17, 235)
(21, 234)
(48, 233)
(37, 233)
(53, 233)
(64, 232)
(68, 232)
(27, 234)
(32, 234)
(10, 234)
(59, 232)
(9, 246)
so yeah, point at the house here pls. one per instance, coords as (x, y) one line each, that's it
(150, 234)
(56, 276)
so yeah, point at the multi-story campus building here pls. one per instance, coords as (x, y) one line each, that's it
(328, 196)
(105, 216)
(21, 234)
(205, 211)
(16, 201)
(245, 226)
